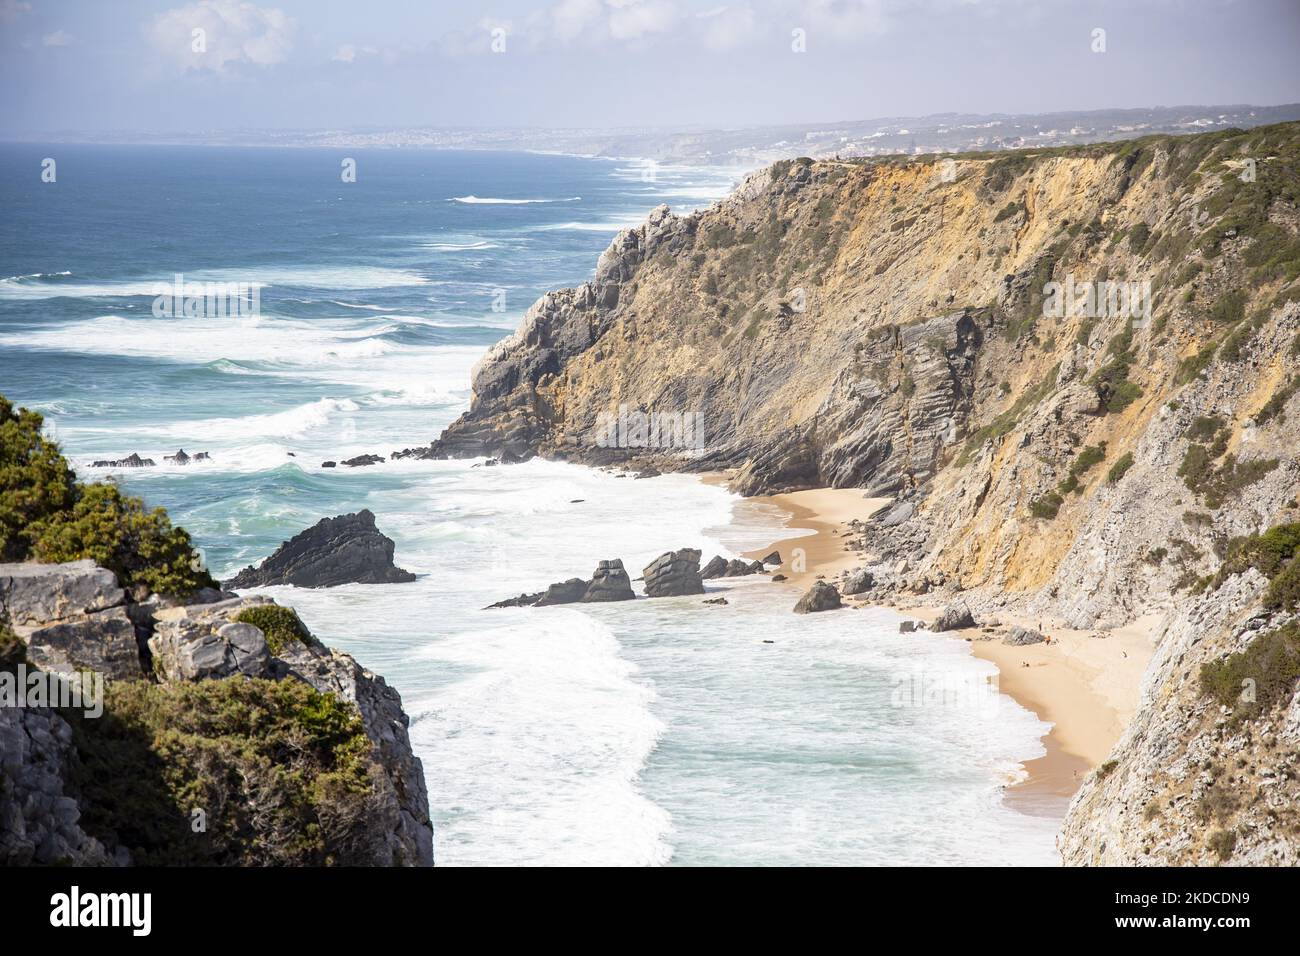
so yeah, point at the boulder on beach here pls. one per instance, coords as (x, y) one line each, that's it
(773, 558)
(1022, 636)
(609, 583)
(954, 617)
(907, 627)
(820, 597)
(348, 549)
(674, 573)
(858, 582)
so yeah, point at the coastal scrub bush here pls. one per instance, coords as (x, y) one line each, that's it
(1194, 365)
(1284, 589)
(1229, 308)
(46, 514)
(1271, 661)
(116, 532)
(1046, 507)
(282, 771)
(1277, 402)
(280, 625)
(1122, 465)
(1222, 842)
(35, 480)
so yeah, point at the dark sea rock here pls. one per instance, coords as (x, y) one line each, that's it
(954, 617)
(180, 458)
(362, 460)
(132, 460)
(716, 568)
(565, 592)
(348, 549)
(720, 601)
(329, 464)
(820, 597)
(674, 573)
(609, 583)
(773, 558)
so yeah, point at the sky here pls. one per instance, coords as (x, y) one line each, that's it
(163, 66)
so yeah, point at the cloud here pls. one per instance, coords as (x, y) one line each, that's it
(57, 38)
(231, 33)
(632, 19)
(11, 10)
(571, 17)
(345, 54)
(841, 19)
(725, 28)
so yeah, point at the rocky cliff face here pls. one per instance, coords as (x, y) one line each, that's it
(1073, 368)
(227, 706)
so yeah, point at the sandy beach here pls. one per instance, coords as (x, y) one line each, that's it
(1084, 683)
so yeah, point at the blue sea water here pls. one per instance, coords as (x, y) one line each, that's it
(647, 733)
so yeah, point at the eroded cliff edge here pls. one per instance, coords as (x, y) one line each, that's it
(890, 325)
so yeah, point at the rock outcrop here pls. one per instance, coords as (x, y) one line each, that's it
(674, 573)
(348, 549)
(75, 618)
(1022, 636)
(820, 597)
(609, 583)
(954, 617)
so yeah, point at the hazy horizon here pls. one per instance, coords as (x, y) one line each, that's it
(160, 66)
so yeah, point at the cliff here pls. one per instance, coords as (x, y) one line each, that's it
(147, 717)
(1073, 369)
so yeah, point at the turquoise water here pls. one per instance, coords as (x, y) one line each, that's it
(643, 733)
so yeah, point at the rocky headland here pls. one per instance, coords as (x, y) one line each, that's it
(151, 718)
(1072, 370)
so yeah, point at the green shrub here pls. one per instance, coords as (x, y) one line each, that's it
(46, 514)
(1009, 210)
(1193, 365)
(1046, 507)
(1216, 485)
(281, 771)
(116, 532)
(280, 625)
(1124, 395)
(1229, 308)
(1222, 842)
(1203, 428)
(1122, 465)
(35, 481)
(1106, 769)
(1277, 402)
(1271, 661)
(1284, 589)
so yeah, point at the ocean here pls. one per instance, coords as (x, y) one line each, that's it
(652, 732)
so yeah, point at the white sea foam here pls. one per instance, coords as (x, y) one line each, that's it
(493, 201)
(317, 277)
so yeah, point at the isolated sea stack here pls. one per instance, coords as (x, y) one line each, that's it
(348, 549)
